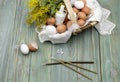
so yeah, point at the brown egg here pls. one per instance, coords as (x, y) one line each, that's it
(82, 15)
(81, 22)
(61, 28)
(86, 10)
(51, 21)
(69, 23)
(75, 10)
(33, 46)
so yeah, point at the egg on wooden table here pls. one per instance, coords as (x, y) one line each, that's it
(24, 49)
(61, 28)
(33, 46)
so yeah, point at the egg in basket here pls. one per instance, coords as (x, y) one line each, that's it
(72, 17)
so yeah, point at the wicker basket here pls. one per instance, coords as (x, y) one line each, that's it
(75, 28)
(73, 19)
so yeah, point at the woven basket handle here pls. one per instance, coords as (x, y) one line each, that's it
(72, 16)
(70, 11)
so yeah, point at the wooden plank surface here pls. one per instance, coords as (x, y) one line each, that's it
(14, 66)
(110, 45)
(87, 46)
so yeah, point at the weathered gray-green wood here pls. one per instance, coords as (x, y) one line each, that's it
(38, 71)
(88, 50)
(7, 17)
(110, 45)
(87, 46)
(61, 73)
(14, 66)
(78, 49)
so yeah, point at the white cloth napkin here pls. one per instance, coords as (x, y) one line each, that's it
(100, 14)
(56, 38)
(105, 27)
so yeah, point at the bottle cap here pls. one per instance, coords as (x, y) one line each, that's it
(62, 8)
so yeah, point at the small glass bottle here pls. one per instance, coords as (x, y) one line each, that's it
(60, 15)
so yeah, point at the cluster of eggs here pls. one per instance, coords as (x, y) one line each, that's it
(25, 49)
(81, 11)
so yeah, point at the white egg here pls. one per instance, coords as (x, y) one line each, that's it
(51, 30)
(24, 49)
(79, 4)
